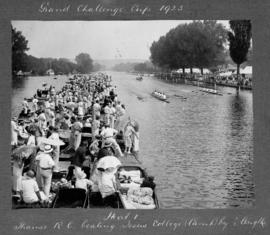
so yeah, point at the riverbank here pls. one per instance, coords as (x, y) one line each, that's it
(193, 79)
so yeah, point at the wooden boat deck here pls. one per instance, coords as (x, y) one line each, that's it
(129, 159)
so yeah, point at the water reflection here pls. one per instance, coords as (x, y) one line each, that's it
(240, 164)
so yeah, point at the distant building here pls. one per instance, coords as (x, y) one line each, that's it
(50, 72)
(194, 71)
(21, 73)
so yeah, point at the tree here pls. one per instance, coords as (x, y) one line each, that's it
(19, 47)
(84, 62)
(198, 44)
(239, 40)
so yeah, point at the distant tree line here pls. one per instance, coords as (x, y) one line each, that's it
(199, 44)
(124, 67)
(145, 67)
(39, 66)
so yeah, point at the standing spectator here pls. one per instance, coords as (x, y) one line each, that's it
(35, 103)
(45, 164)
(42, 122)
(14, 133)
(107, 113)
(96, 109)
(95, 127)
(78, 159)
(55, 136)
(128, 132)
(25, 106)
(108, 135)
(112, 115)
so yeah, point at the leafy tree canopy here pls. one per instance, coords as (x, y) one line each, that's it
(19, 47)
(198, 44)
(84, 62)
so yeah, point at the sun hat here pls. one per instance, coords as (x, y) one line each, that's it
(48, 149)
(30, 174)
(107, 144)
(81, 175)
(87, 123)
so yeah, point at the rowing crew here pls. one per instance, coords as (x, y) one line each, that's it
(160, 94)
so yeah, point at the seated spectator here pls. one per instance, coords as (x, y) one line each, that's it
(107, 187)
(29, 189)
(82, 182)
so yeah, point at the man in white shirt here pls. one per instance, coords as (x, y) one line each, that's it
(82, 182)
(108, 135)
(29, 189)
(108, 132)
(46, 165)
(107, 112)
(107, 188)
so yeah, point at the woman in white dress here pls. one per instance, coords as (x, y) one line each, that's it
(14, 133)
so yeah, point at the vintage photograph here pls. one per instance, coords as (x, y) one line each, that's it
(151, 114)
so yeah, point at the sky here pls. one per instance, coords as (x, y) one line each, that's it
(101, 39)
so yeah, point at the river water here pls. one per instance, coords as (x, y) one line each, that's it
(200, 149)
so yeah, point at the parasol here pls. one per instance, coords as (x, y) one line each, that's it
(55, 142)
(32, 128)
(71, 105)
(108, 162)
(135, 125)
(24, 150)
(64, 134)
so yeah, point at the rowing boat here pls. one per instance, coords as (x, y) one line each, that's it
(211, 91)
(160, 96)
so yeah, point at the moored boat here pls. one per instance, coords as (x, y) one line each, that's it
(137, 188)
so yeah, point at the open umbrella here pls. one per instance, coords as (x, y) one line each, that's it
(55, 142)
(64, 134)
(32, 128)
(24, 150)
(71, 105)
(135, 125)
(108, 162)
